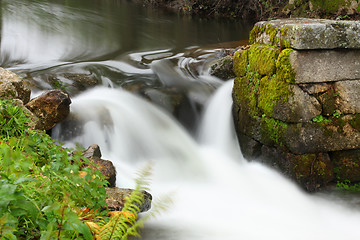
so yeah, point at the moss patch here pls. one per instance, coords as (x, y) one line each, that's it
(262, 59)
(346, 165)
(276, 88)
(312, 170)
(329, 7)
(240, 62)
(355, 123)
(273, 131)
(275, 36)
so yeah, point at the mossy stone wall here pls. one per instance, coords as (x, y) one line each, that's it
(300, 128)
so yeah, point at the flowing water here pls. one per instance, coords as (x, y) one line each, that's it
(140, 88)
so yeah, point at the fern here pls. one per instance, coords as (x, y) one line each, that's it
(125, 223)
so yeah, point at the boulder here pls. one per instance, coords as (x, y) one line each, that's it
(51, 108)
(306, 33)
(117, 198)
(106, 167)
(222, 68)
(11, 86)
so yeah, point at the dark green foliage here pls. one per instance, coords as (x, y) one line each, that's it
(41, 187)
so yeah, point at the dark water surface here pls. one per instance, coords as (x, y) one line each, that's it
(108, 40)
(77, 45)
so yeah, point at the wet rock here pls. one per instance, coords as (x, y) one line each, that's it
(106, 167)
(347, 165)
(250, 148)
(51, 108)
(12, 87)
(305, 33)
(222, 68)
(117, 197)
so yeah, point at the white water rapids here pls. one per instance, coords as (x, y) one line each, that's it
(216, 193)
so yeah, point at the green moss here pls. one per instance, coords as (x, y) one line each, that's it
(346, 165)
(246, 89)
(329, 6)
(277, 37)
(284, 69)
(276, 88)
(273, 130)
(255, 32)
(240, 63)
(262, 59)
(355, 123)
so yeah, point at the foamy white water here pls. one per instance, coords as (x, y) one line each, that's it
(216, 195)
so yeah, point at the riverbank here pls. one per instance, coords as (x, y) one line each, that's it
(261, 10)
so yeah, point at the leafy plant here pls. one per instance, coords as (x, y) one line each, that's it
(46, 192)
(347, 185)
(40, 184)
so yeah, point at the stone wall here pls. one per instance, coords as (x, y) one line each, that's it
(296, 99)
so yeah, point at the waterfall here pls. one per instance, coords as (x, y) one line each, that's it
(216, 195)
(217, 127)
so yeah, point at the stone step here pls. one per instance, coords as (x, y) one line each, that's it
(304, 33)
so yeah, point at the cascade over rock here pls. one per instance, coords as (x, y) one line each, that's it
(296, 103)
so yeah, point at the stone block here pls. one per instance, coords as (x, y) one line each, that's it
(325, 65)
(348, 97)
(304, 33)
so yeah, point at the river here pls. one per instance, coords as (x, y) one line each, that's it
(140, 87)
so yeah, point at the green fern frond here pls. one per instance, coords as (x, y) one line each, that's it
(125, 222)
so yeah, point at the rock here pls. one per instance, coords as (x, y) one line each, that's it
(347, 165)
(315, 88)
(306, 33)
(348, 98)
(117, 197)
(51, 108)
(312, 171)
(106, 167)
(250, 148)
(222, 68)
(11, 86)
(336, 135)
(300, 107)
(92, 151)
(325, 66)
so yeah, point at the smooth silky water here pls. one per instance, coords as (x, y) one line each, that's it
(144, 61)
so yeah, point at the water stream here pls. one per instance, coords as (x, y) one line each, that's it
(145, 96)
